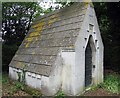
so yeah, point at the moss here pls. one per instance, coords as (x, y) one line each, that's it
(27, 44)
(38, 28)
(40, 24)
(91, 5)
(53, 19)
(20, 65)
(29, 39)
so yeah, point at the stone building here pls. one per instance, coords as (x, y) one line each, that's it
(62, 51)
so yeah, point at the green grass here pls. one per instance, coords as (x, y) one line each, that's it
(14, 86)
(32, 91)
(5, 79)
(60, 94)
(112, 83)
(0, 79)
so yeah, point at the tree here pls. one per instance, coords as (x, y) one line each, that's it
(17, 18)
(114, 16)
(109, 22)
(16, 21)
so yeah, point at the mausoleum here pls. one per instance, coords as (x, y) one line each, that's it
(62, 51)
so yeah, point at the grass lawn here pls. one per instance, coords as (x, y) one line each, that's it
(110, 87)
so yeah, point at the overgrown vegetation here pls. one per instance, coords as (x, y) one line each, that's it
(111, 83)
(60, 94)
(15, 26)
(15, 86)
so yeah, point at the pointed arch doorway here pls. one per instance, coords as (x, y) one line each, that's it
(90, 55)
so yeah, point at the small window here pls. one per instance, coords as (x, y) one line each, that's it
(91, 27)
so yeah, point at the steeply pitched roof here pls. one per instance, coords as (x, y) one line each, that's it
(47, 36)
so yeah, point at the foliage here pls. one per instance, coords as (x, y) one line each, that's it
(31, 91)
(16, 21)
(109, 21)
(112, 83)
(19, 85)
(115, 34)
(18, 16)
(48, 10)
(60, 94)
(4, 79)
(64, 4)
(12, 90)
(14, 86)
(0, 77)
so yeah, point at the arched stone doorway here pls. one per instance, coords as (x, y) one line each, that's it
(90, 57)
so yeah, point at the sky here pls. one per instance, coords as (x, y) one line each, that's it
(47, 5)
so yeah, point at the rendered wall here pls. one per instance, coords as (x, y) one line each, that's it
(68, 75)
(13, 73)
(80, 47)
(52, 84)
(31, 79)
(48, 85)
